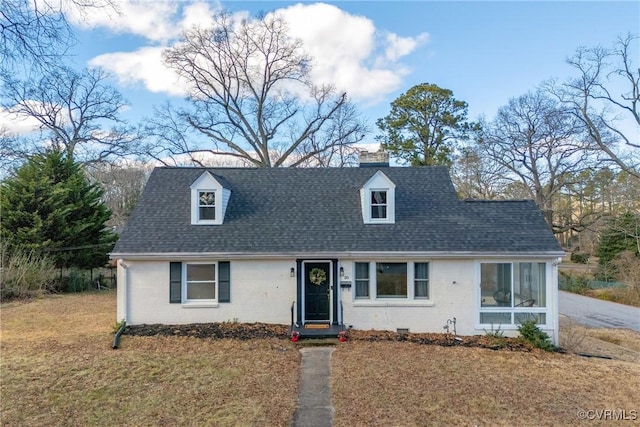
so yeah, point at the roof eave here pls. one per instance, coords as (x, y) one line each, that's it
(188, 256)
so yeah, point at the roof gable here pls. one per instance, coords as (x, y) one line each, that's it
(378, 200)
(209, 200)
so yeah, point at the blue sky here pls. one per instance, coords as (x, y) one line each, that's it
(485, 52)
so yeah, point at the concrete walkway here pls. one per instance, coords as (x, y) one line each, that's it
(314, 398)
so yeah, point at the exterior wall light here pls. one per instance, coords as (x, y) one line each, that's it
(341, 271)
(292, 272)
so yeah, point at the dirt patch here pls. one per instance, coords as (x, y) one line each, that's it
(248, 331)
(239, 331)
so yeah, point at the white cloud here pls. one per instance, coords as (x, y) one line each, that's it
(144, 65)
(402, 46)
(16, 125)
(152, 19)
(348, 51)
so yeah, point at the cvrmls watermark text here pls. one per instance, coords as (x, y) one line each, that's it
(608, 414)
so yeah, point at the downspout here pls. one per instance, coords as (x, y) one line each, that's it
(556, 294)
(116, 338)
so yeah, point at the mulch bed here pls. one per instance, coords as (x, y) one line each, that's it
(249, 331)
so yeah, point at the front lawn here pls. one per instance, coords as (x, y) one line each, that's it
(58, 368)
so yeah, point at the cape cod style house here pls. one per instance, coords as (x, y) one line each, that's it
(372, 247)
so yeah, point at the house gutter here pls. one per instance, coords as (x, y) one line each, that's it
(187, 256)
(123, 325)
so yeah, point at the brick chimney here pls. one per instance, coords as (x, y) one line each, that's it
(373, 160)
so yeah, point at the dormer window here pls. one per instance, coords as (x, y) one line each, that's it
(207, 205)
(378, 199)
(209, 200)
(378, 204)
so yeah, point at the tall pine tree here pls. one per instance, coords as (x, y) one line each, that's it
(49, 205)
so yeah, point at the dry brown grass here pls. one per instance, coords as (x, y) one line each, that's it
(619, 344)
(405, 384)
(58, 368)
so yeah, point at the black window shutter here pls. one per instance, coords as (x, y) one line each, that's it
(175, 282)
(224, 276)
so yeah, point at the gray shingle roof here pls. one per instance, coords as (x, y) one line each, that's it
(318, 210)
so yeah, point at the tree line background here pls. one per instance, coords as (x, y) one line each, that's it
(572, 144)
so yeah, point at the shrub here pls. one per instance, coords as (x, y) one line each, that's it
(75, 281)
(531, 333)
(580, 258)
(574, 284)
(25, 273)
(496, 337)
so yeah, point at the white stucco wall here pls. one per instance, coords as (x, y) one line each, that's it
(454, 292)
(263, 291)
(446, 301)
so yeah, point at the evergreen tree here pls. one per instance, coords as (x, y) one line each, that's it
(622, 234)
(424, 126)
(48, 205)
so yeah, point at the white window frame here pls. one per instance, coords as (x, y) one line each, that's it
(373, 298)
(185, 285)
(214, 206)
(375, 206)
(512, 310)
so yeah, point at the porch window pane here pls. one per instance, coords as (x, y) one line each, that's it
(495, 318)
(495, 285)
(421, 279)
(530, 284)
(391, 280)
(362, 280)
(540, 318)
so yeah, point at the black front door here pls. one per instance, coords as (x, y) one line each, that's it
(316, 291)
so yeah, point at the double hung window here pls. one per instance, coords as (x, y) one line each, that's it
(206, 205)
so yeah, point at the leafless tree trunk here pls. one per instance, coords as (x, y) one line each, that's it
(251, 97)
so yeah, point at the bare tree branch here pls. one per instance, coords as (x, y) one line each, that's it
(73, 110)
(251, 97)
(612, 121)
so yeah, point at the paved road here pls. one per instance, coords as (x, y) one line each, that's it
(598, 313)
